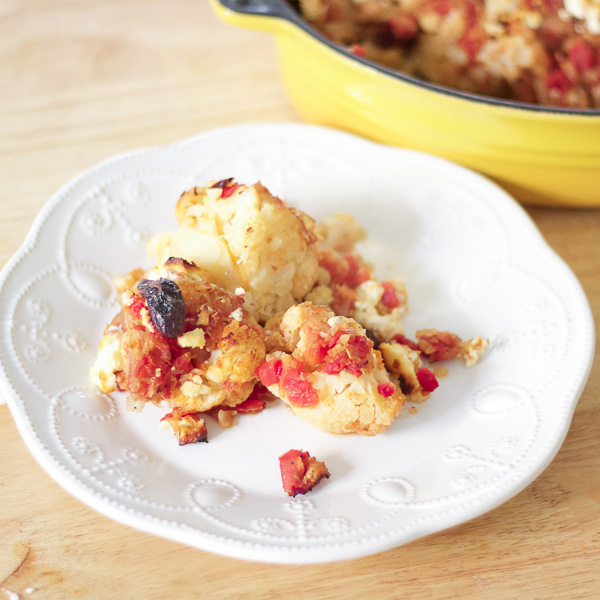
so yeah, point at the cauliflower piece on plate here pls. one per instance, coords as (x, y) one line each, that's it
(247, 240)
(340, 232)
(180, 339)
(324, 367)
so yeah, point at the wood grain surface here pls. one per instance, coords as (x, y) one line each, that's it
(82, 80)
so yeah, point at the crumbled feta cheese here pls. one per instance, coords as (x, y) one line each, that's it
(107, 362)
(192, 339)
(127, 298)
(237, 314)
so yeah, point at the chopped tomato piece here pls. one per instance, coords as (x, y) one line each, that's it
(389, 298)
(359, 273)
(269, 372)
(441, 7)
(472, 41)
(557, 80)
(427, 380)
(358, 50)
(299, 391)
(386, 389)
(228, 191)
(251, 405)
(300, 472)
(582, 56)
(228, 186)
(402, 339)
(438, 345)
(352, 356)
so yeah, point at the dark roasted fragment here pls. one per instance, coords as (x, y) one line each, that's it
(373, 337)
(165, 304)
(223, 183)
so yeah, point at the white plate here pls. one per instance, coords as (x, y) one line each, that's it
(474, 264)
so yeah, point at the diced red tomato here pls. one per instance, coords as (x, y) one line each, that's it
(228, 190)
(386, 389)
(358, 50)
(441, 7)
(227, 186)
(344, 270)
(137, 305)
(358, 273)
(582, 56)
(557, 80)
(352, 356)
(251, 405)
(389, 297)
(300, 472)
(427, 380)
(402, 339)
(438, 345)
(298, 389)
(472, 41)
(179, 413)
(269, 372)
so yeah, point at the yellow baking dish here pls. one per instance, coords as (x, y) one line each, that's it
(542, 155)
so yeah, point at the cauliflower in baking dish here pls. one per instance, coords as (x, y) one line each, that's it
(245, 238)
(180, 339)
(324, 367)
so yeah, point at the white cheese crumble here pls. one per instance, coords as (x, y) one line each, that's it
(192, 339)
(237, 314)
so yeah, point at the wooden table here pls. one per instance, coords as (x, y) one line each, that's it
(82, 80)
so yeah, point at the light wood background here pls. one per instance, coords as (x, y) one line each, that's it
(82, 80)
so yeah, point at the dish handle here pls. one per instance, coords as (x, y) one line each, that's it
(271, 16)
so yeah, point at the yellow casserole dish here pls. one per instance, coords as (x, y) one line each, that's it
(541, 155)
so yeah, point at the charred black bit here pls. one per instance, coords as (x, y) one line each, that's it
(175, 260)
(373, 337)
(166, 305)
(223, 183)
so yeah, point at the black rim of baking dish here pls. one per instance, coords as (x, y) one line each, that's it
(282, 9)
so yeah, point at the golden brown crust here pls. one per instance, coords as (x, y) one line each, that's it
(211, 363)
(246, 239)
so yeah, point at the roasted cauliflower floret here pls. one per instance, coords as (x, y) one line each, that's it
(247, 240)
(471, 350)
(209, 360)
(325, 369)
(108, 359)
(340, 232)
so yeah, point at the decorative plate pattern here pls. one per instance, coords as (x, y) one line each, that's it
(474, 264)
